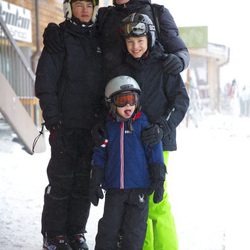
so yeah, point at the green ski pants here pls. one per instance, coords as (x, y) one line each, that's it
(161, 232)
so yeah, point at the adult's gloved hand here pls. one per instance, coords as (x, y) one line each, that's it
(99, 134)
(157, 174)
(96, 180)
(173, 64)
(163, 124)
(56, 137)
(53, 39)
(54, 126)
(152, 134)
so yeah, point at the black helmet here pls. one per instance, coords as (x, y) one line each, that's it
(68, 10)
(138, 24)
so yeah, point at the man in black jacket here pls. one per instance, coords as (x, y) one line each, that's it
(70, 87)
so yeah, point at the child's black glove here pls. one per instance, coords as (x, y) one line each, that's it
(157, 174)
(173, 64)
(96, 180)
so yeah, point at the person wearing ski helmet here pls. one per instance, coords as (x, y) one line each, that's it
(53, 39)
(83, 17)
(119, 91)
(108, 22)
(70, 87)
(125, 168)
(165, 101)
(138, 26)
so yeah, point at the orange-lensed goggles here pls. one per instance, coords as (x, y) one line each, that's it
(122, 100)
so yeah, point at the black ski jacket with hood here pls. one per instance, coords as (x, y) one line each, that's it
(109, 20)
(70, 84)
(163, 95)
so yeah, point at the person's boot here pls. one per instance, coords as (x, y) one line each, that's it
(78, 242)
(56, 243)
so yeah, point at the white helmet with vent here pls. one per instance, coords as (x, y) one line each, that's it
(67, 10)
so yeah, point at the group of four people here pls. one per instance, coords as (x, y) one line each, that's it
(110, 72)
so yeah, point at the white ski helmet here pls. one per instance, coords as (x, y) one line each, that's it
(120, 84)
(68, 10)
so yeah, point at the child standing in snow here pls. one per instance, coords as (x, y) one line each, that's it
(126, 168)
(165, 101)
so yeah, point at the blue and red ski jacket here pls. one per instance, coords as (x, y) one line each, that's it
(125, 158)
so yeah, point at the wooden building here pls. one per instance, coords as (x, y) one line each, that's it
(206, 60)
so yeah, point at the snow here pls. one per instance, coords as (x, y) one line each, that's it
(208, 185)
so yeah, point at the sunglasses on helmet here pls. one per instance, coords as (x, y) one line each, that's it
(122, 100)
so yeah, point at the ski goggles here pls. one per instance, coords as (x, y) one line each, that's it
(136, 29)
(121, 100)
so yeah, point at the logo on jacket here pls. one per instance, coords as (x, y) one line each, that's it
(141, 198)
(98, 50)
(128, 132)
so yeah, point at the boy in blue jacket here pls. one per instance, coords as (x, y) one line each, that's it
(165, 101)
(126, 168)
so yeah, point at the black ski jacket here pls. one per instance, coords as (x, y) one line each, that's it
(163, 95)
(109, 20)
(70, 84)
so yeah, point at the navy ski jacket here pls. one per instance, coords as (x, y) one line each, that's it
(125, 158)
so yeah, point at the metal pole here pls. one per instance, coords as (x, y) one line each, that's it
(37, 26)
(36, 55)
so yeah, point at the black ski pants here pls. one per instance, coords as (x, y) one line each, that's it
(127, 210)
(66, 203)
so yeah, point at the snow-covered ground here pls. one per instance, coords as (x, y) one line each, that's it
(208, 184)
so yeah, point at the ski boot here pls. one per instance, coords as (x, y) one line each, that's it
(78, 242)
(57, 243)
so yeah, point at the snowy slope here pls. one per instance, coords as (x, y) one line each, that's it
(208, 185)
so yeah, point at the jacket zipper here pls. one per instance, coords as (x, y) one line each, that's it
(122, 155)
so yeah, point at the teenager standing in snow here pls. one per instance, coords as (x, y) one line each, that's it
(70, 87)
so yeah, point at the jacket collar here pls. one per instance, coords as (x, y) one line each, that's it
(77, 29)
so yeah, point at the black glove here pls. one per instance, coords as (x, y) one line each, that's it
(163, 124)
(173, 64)
(99, 134)
(157, 174)
(54, 126)
(95, 190)
(53, 39)
(56, 138)
(152, 134)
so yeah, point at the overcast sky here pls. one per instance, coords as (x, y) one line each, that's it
(227, 23)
